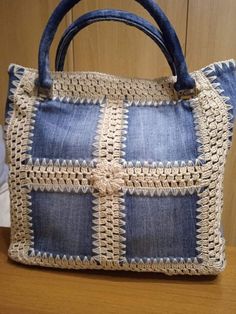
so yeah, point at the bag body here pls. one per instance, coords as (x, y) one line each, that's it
(116, 173)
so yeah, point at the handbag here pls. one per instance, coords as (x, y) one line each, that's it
(115, 173)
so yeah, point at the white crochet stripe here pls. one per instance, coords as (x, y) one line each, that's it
(108, 220)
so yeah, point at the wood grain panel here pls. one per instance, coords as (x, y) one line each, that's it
(34, 290)
(211, 32)
(211, 37)
(22, 23)
(119, 49)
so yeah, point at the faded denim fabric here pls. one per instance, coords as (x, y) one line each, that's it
(62, 222)
(11, 87)
(226, 76)
(155, 226)
(65, 130)
(3, 166)
(162, 226)
(161, 133)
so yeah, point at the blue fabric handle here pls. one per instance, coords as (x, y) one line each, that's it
(184, 80)
(109, 15)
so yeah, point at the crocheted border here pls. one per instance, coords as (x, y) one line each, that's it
(210, 243)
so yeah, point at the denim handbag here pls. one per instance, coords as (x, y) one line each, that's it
(115, 173)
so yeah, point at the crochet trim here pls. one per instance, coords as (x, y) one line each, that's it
(152, 179)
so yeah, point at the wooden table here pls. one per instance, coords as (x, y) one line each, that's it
(35, 290)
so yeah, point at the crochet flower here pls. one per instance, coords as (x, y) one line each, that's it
(108, 177)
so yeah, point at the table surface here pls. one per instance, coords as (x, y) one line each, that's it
(25, 289)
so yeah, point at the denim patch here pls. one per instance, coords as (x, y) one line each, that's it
(14, 79)
(161, 226)
(62, 223)
(161, 133)
(226, 76)
(65, 130)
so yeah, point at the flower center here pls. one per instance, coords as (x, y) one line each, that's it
(107, 177)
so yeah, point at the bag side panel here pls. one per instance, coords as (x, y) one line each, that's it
(222, 75)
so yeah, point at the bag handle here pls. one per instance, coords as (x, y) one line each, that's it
(109, 15)
(184, 80)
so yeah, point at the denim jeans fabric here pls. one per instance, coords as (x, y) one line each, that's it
(162, 133)
(62, 222)
(155, 226)
(226, 76)
(161, 226)
(11, 87)
(65, 130)
(3, 166)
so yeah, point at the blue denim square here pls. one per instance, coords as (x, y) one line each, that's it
(62, 223)
(161, 133)
(65, 130)
(160, 226)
